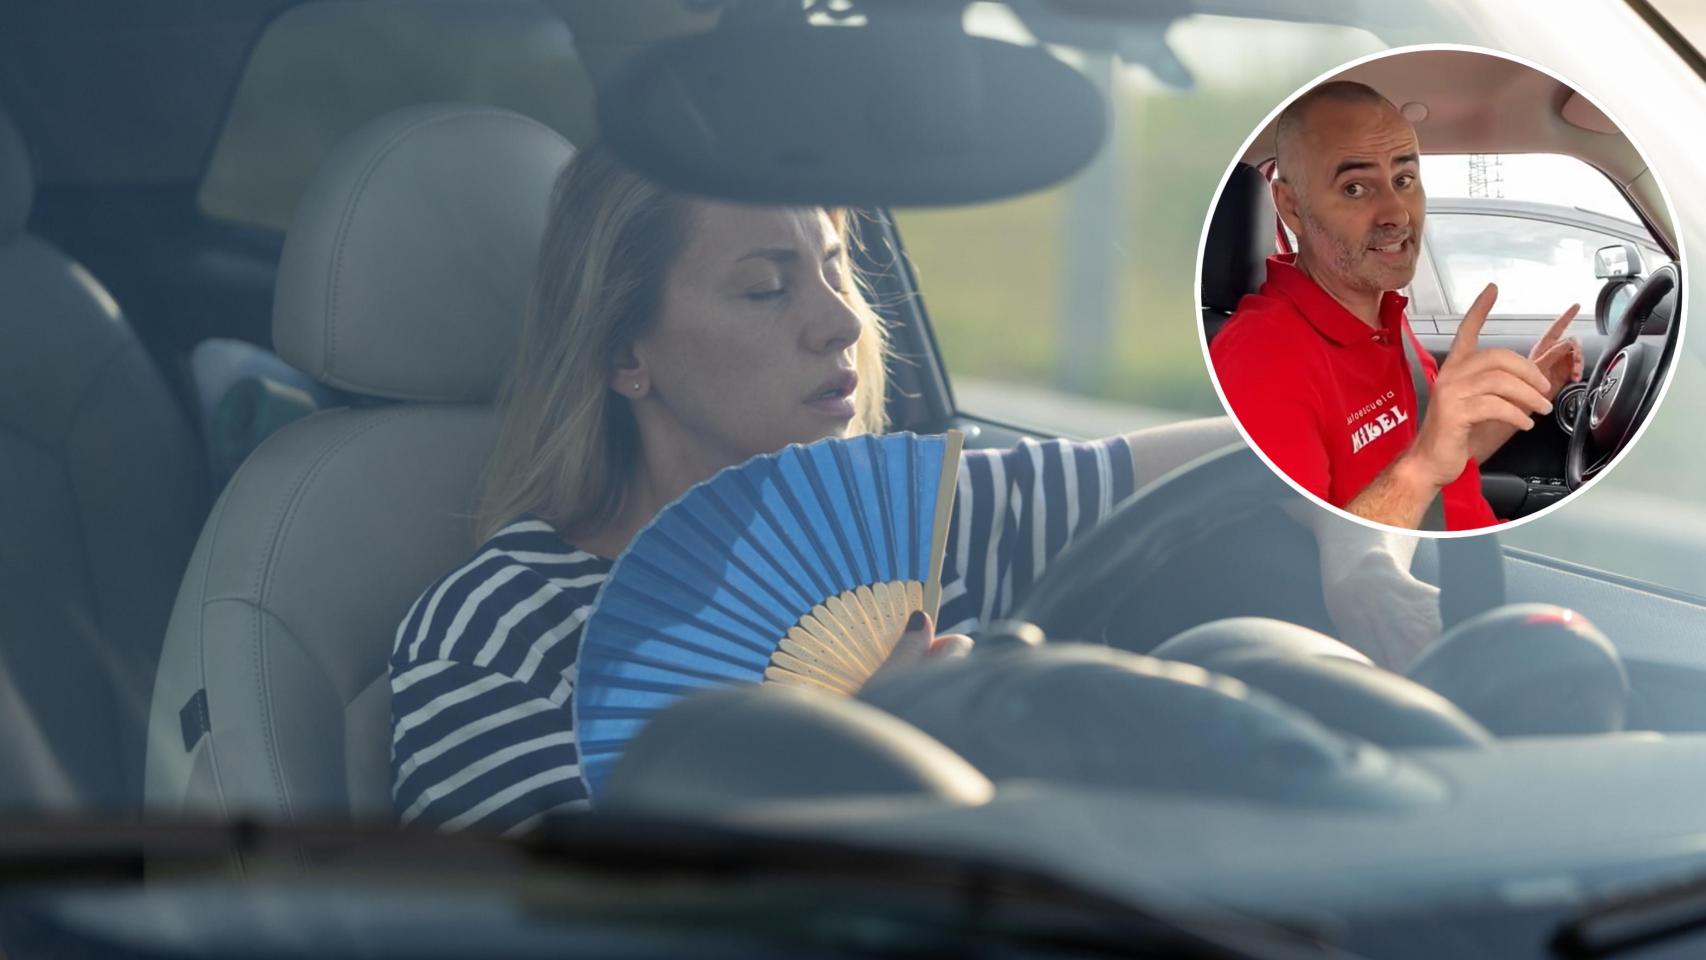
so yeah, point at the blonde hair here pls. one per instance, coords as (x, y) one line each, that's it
(567, 446)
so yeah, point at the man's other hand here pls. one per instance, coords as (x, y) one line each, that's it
(1559, 360)
(1477, 386)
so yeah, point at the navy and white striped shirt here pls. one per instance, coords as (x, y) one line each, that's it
(484, 665)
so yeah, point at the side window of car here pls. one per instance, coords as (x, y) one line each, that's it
(1530, 223)
(1073, 310)
(1541, 267)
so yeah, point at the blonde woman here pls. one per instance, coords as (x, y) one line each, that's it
(669, 338)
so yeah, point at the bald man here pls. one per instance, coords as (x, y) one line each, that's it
(1320, 366)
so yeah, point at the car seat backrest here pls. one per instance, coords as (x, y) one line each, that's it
(1240, 240)
(17, 181)
(404, 277)
(101, 494)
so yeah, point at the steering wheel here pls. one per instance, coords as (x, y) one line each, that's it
(1082, 590)
(1626, 380)
(1078, 713)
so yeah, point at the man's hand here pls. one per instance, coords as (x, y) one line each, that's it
(1478, 387)
(1560, 361)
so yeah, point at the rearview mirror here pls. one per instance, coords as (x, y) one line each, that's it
(1617, 260)
(894, 107)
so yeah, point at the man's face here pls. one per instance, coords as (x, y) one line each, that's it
(1353, 197)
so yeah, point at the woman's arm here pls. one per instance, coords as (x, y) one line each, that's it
(1158, 451)
(1375, 602)
(1016, 509)
(1377, 606)
(474, 748)
(482, 735)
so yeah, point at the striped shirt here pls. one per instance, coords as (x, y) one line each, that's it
(484, 664)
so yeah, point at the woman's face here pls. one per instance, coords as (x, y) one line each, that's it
(754, 344)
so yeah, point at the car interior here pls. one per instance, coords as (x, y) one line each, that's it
(183, 304)
(268, 297)
(143, 261)
(105, 489)
(1471, 103)
(205, 261)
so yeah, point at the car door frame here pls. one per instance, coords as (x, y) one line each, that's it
(920, 393)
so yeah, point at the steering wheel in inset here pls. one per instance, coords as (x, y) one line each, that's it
(1098, 577)
(1627, 379)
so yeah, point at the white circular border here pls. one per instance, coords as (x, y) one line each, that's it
(1680, 317)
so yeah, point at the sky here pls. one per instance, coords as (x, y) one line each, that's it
(1539, 177)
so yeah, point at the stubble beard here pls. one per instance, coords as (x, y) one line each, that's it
(1350, 264)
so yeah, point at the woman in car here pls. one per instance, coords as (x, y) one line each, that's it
(669, 338)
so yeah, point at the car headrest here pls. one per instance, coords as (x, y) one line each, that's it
(17, 184)
(411, 256)
(1240, 240)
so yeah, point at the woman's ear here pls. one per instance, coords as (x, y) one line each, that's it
(629, 376)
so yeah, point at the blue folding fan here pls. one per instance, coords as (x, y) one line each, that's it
(799, 567)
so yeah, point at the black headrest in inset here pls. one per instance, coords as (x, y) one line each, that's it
(1240, 240)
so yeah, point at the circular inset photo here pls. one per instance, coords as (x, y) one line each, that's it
(1440, 290)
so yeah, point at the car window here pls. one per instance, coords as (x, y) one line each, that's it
(1087, 331)
(1528, 222)
(1070, 311)
(1540, 266)
(321, 70)
(1525, 178)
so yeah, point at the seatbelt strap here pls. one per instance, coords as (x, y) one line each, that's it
(1434, 517)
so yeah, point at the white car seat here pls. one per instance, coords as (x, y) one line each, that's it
(404, 277)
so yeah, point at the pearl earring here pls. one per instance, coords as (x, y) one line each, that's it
(636, 388)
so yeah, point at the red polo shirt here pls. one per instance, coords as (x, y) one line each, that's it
(1329, 400)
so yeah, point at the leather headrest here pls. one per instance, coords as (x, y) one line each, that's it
(17, 183)
(1240, 240)
(408, 264)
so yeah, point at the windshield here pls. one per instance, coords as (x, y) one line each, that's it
(1118, 244)
(264, 469)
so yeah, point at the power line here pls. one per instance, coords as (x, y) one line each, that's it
(1486, 175)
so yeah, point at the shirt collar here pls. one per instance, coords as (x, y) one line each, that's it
(1327, 315)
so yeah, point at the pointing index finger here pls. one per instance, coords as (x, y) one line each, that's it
(1468, 338)
(1558, 327)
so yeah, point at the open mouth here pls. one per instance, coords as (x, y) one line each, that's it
(1394, 248)
(835, 396)
(838, 387)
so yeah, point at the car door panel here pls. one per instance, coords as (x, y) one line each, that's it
(1658, 631)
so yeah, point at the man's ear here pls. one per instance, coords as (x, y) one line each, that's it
(1285, 202)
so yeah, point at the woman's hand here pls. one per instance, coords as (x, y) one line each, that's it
(1375, 603)
(919, 643)
(1380, 608)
